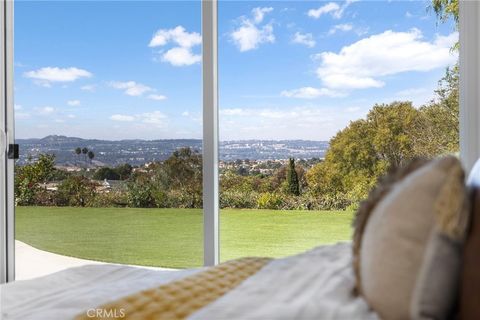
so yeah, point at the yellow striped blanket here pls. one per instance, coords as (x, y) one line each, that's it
(181, 298)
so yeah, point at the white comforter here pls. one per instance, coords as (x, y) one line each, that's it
(314, 285)
(65, 294)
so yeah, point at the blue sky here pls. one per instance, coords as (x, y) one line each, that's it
(287, 70)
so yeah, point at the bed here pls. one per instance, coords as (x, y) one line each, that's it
(290, 288)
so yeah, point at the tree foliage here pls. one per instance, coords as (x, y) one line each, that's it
(446, 10)
(390, 136)
(293, 185)
(106, 173)
(28, 178)
(179, 177)
(76, 191)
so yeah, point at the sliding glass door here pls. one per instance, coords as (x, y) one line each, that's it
(7, 150)
(108, 118)
(317, 101)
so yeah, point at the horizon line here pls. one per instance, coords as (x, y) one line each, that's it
(197, 139)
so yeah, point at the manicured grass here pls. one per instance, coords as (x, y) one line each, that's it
(173, 237)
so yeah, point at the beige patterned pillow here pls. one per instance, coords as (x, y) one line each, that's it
(394, 227)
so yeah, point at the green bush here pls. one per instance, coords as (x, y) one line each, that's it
(335, 202)
(141, 193)
(76, 191)
(238, 199)
(106, 173)
(182, 199)
(25, 190)
(161, 199)
(270, 200)
(110, 199)
(45, 197)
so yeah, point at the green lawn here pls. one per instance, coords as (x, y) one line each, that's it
(173, 237)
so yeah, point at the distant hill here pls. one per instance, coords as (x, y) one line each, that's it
(138, 152)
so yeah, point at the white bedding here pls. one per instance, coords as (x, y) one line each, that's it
(313, 285)
(65, 294)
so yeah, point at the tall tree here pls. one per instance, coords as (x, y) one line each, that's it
(366, 148)
(78, 152)
(124, 171)
(91, 155)
(182, 171)
(293, 185)
(85, 152)
(440, 134)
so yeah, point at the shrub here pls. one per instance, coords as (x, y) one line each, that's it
(45, 197)
(140, 193)
(335, 202)
(28, 177)
(106, 173)
(238, 199)
(110, 199)
(25, 190)
(353, 206)
(76, 191)
(270, 200)
(161, 199)
(182, 199)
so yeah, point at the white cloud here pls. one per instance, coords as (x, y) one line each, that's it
(304, 38)
(90, 88)
(332, 8)
(71, 116)
(17, 107)
(259, 14)
(157, 97)
(180, 56)
(154, 117)
(45, 110)
(73, 103)
(182, 53)
(46, 76)
(249, 35)
(310, 123)
(234, 112)
(408, 15)
(364, 63)
(360, 31)
(419, 96)
(177, 35)
(122, 118)
(131, 88)
(185, 113)
(340, 27)
(310, 93)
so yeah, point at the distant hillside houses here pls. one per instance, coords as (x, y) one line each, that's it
(139, 152)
